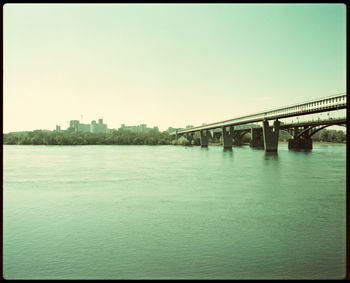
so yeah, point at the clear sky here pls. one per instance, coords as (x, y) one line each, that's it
(166, 64)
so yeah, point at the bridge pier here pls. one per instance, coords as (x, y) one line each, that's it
(271, 135)
(257, 140)
(227, 137)
(302, 141)
(204, 138)
(295, 131)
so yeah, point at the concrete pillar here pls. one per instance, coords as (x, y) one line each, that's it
(227, 137)
(257, 140)
(204, 137)
(271, 135)
(300, 143)
(176, 136)
(295, 131)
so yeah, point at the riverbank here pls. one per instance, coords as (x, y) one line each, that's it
(285, 142)
(115, 138)
(319, 143)
(211, 144)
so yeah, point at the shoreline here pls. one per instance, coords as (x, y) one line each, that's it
(319, 143)
(211, 144)
(282, 143)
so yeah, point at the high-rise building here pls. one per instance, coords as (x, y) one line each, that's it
(139, 128)
(76, 126)
(98, 128)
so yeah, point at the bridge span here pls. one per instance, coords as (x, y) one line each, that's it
(266, 136)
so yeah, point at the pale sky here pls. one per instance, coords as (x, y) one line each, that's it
(166, 64)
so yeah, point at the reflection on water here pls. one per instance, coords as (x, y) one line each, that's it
(153, 212)
(257, 148)
(227, 152)
(306, 151)
(271, 156)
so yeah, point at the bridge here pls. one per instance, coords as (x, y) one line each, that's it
(266, 136)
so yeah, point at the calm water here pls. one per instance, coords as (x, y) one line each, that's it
(173, 212)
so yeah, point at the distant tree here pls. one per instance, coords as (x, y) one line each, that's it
(10, 139)
(196, 139)
(183, 141)
(151, 141)
(340, 136)
(126, 137)
(332, 136)
(316, 137)
(324, 136)
(137, 140)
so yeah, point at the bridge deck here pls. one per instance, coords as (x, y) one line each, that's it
(330, 103)
(339, 121)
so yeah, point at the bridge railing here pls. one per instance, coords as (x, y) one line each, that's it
(317, 105)
(329, 103)
(332, 121)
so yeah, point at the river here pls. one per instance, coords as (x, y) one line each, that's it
(173, 212)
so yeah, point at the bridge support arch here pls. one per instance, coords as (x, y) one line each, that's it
(227, 137)
(204, 138)
(270, 135)
(238, 137)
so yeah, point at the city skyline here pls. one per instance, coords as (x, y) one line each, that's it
(139, 64)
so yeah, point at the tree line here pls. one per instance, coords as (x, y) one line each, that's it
(321, 136)
(126, 137)
(117, 137)
(330, 136)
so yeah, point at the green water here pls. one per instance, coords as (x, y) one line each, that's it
(151, 212)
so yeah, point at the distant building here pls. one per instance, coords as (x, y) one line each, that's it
(76, 126)
(139, 128)
(98, 128)
(83, 128)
